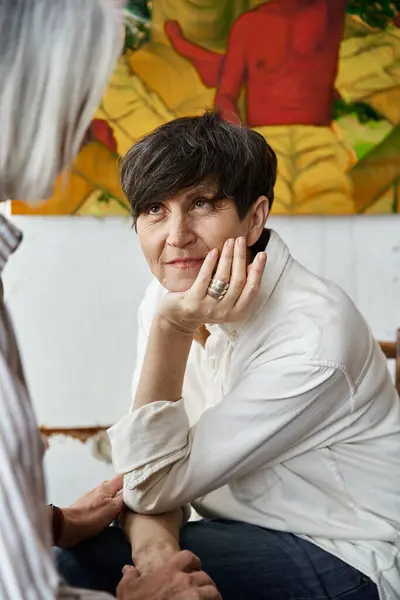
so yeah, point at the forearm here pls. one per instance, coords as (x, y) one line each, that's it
(164, 363)
(154, 539)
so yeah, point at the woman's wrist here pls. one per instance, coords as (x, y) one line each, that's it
(154, 538)
(173, 325)
(154, 554)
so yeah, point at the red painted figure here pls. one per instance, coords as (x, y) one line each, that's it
(99, 130)
(284, 53)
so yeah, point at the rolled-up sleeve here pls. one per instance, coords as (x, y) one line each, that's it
(277, 411)
(141, 448)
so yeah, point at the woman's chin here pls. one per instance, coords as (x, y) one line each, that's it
(183, 284)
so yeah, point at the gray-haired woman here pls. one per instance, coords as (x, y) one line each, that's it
(55, 60)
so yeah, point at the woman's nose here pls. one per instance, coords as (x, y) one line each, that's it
(180, 234)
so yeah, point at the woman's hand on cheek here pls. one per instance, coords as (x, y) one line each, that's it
(188, 310)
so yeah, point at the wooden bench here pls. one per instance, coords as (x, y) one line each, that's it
(392, 352)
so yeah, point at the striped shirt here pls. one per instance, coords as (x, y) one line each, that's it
(27, 570)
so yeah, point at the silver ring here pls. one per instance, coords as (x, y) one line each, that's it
(218, 285)
(217, 289)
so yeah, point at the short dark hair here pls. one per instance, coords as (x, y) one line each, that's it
(191, 151)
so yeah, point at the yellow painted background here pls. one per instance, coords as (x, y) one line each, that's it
(155, 84)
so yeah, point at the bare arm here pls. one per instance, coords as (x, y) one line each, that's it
(233, 72)
(154, 539)
(160, 378)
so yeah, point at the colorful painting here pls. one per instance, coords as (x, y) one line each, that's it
(320, 79)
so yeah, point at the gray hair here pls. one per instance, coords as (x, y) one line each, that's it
(56, 57)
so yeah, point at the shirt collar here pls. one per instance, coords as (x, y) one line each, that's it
(278, 257)
(10, 239)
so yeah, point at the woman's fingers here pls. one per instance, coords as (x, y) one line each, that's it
(253, 282)
(224, 267)
(244, 281)
(202, 281)
(238, 275)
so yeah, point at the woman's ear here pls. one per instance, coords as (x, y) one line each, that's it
(257, 217)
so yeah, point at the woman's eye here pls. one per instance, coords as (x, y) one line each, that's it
(154, 210)
(201, 202)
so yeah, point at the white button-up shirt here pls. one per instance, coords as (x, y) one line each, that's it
(289, 420)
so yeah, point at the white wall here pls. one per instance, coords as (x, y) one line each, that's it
(73, 288)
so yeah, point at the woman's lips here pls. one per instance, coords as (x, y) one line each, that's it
(186, 263)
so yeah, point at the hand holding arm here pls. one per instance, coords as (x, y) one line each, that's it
(180, 578)
(91, 513)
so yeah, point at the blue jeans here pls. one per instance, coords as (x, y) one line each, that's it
(246, 562)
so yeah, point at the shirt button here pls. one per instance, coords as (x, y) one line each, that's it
(234, 336)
